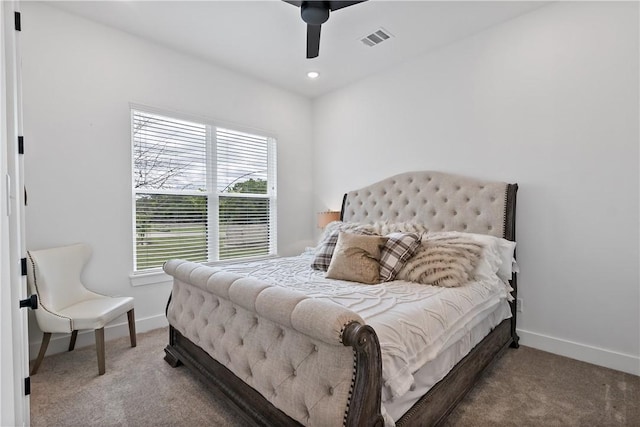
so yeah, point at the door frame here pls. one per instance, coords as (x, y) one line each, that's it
(14, 352)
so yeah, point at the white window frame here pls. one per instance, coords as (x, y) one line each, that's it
(156, 275)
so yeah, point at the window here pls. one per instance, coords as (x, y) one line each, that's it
(200, 192)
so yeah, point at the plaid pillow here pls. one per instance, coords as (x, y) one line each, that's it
(398, 249)
(325, 251)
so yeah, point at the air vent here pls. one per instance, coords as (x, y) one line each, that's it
(377, 37)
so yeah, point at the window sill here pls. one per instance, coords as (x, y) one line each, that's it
(154, 277)
(157, 276)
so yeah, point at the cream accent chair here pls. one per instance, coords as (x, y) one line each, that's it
(65, 305)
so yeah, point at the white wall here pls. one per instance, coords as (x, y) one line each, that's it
(548, 100)
(79, 78)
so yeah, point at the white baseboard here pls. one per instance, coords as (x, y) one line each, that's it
(586, 353)
(60, 342)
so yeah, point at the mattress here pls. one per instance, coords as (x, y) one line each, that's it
(414, 323)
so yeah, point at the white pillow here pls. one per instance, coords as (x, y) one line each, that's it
(504, 249)
(508, 266)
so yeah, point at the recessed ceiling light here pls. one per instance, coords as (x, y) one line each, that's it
(313, 74)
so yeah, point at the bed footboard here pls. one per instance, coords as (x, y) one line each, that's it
(280, 357)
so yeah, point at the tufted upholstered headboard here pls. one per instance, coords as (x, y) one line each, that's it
(441, 201)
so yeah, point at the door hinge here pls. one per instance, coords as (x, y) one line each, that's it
(18, 21)
(31, 302)
(23, 266)
(21, 145)
(27, 386)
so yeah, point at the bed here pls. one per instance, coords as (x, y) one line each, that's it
(279, 352)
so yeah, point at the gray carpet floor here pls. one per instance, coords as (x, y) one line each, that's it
(526, 387)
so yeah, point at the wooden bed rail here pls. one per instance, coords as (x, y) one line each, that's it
(364, 405)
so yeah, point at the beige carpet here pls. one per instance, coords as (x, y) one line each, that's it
(526, 387)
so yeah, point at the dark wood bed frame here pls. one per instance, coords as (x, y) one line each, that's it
(364, 409)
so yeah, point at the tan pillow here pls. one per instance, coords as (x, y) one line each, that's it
(324, 250)
(356, 258)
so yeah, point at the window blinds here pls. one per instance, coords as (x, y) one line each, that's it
(242, 183)
(168, 154)
(201, 192)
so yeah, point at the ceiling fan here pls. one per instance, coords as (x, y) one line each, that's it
(316, 13)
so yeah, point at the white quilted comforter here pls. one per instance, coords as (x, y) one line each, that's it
(413, 322)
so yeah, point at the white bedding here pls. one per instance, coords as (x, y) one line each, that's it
(414, 322)
(431, 373)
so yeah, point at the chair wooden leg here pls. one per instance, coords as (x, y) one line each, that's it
(72, 343)
(100, 350)
(132, 327)
(43, 349)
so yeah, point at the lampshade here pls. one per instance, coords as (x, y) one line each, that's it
(326, 217)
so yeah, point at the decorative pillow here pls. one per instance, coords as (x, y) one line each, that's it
(328, 241)
(356, 258)
(443, 261)
(398, 249)
(324, 252)
(498, 251)
(332, 227)
(386, 227)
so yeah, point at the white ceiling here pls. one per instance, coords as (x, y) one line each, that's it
(267, 39)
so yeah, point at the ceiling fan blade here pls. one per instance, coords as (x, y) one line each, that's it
(294, 2)
(313, 41)
(336, 5)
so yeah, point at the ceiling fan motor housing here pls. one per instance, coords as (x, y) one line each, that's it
(314, 12)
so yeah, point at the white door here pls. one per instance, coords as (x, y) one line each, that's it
(14, 355)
